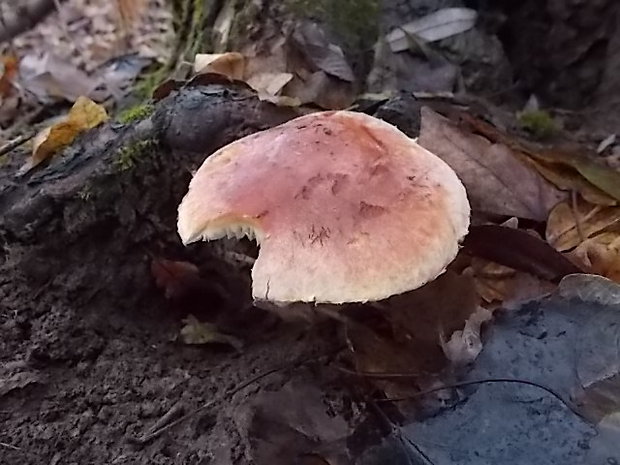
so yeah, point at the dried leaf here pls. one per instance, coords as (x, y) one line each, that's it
(436, 26)
(311, 40)
(230, 64)
(598, 174)
(497, 181)
(599, 255)
(503, 286)
(464, 345)
(570, 225)
(568, 179)
(84, 114)
(198, 333)
(269, 84)
(9, 73)
(175, 277)
(50, 78)
(558, 164)
(519, 250)
(326, 91)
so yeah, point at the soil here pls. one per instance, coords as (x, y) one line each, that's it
(87, 348)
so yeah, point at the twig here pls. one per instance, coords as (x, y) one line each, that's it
(149, 436)
(566, 403)
(396, 431)
(12, 145)
(9, 446)
(380, 375)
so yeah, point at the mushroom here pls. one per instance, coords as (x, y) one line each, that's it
(344, 207)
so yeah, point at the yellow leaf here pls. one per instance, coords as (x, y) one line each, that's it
(56, 137)
(85, 114)
(230, 64)
(568, 226)
(196, 332)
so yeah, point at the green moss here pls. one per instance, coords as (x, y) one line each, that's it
(356, 21)
(148, 82)
(538, 123)
(136, 113)
(128, 156)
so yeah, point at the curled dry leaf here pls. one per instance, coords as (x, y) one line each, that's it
(570, 224)
(436, 26)
(497, 181)
(464, 345)
(599, 255)
(231, 64)
(175, 277)
(85, 114)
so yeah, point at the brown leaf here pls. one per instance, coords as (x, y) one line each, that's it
(519, 250)
(84, 114)
(175, 277)
(570, 225)
(567, 179)
(599, 255)
(587, 165)
(567, 167)
(9, 73)
(50, 77)
(497, 181)
(326, 91)
(499, 285)
(230, 64)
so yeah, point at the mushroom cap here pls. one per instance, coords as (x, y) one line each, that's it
(345, 208)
